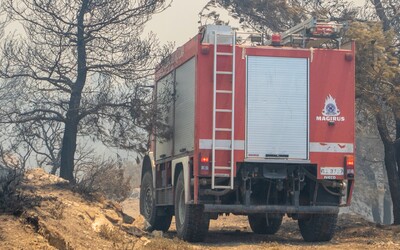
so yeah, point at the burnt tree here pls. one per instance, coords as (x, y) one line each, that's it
(84, 64)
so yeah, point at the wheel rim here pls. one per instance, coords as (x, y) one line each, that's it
(182, 207)
(148, 201)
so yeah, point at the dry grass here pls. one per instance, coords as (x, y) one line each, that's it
(57, 211)
(106, 178)
(111, 233)
(10, 198)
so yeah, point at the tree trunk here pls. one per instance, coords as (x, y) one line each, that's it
(375, 208)
(387, 208)
(72, 118)
(397, 141)
(54, 168)
(380, 11)
(68, 149)
(390, 166)
(392, 150)
(376, 211)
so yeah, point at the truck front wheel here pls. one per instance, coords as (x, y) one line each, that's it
(156, 217)
(260, 225)
(318, 227)
(191, 222)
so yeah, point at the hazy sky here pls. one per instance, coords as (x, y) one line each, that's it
(179, 23)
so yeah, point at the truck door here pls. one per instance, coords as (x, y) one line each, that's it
(277, 107)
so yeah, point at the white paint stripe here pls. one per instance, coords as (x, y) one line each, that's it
(207, 144)
(316, 147)
(331, 147)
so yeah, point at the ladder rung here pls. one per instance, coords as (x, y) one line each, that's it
(219, 175)
(224, 53)
(224, 91)
(223, 148)
(224, 34)
(224, 72)
(222, 187)
(223, 129)
(222, 167)
(223, 110)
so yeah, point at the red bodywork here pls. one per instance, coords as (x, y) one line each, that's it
(331, 74)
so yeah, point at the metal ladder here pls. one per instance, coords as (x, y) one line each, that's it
(218, 92)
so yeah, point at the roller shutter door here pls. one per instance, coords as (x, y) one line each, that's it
(277, 107)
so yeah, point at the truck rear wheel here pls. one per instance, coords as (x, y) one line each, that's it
(259, 224)
(318, 227)
(148, 206)
(191, 222)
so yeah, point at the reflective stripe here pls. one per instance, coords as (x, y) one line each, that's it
(316, 147)
(207, 144)
(331, 147)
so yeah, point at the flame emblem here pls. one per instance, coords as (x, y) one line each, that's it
(330, 108)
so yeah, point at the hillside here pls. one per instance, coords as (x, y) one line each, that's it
(49, 214)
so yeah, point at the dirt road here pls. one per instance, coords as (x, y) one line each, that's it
(233, 232)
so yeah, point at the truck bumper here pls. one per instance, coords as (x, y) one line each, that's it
(256, 209)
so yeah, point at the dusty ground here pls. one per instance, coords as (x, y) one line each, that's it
(54, 217)
(233, 232)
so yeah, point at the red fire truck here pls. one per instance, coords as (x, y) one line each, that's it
(259, 128)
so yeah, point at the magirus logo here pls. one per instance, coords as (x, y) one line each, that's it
(330, 112)
(330, 108)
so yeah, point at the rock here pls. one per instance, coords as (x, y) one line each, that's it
(145, 240)
(43, 177)
(146, 225)
(113, 205)
(112, 216)
(140, 244)
(127, 219)
(141, 223)
(159, 234)
(396, 229)
(99, 222)
(135, 193)
(30, 176)
(132, 230)
(91, 214)
(117, 207)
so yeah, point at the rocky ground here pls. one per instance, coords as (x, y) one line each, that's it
(52, 216)
(48, 214)
(233, 232)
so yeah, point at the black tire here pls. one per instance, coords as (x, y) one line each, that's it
(148, 206)
(318, 227)
(258, 223)
(191, 222)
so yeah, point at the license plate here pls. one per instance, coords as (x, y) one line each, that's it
(331, 171)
